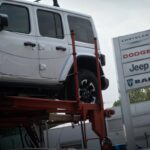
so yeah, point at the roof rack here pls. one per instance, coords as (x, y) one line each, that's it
(55, 2)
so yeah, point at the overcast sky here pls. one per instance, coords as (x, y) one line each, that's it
(112, 18)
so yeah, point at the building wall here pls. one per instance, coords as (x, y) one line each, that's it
(141, 122)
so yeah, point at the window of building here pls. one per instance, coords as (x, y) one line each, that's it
(50, 24)
(82, 28)
(18, 18)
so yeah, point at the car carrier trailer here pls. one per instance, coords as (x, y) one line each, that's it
(19, 111)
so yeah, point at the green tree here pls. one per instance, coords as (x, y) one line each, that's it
(136, 96)
(147, 91)
(117, 102)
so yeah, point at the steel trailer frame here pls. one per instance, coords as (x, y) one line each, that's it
(25, 111)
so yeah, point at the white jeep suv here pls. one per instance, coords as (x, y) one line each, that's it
(36, 51)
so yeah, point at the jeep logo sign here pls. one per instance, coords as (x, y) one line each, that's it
(137, 67)
(137, 81)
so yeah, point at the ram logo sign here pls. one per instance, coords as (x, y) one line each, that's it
(137, 81)
(130, 82)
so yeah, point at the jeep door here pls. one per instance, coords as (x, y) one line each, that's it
(53, 47)
(18, 50)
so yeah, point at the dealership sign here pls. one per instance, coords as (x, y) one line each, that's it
(132, 54)
(134, 59)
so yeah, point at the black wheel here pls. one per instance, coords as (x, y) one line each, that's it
(87, 87)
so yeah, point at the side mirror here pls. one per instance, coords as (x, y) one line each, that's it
(102, 59)
(3, 21)
(104, 83)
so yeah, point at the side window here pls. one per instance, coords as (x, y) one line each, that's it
(50, 24)
(18, 18)
(82, 28)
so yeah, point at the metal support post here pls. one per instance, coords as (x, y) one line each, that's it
(47, 136)
(98, 74)
(99, 86)
(104, 145)
(125, 102)
(75, 67)
(83, 131)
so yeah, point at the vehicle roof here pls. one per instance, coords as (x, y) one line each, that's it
(47, 6)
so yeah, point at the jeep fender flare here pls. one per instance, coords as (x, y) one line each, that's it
(84, 62)
(82, 59)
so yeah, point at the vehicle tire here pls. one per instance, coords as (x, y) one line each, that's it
(88, 87)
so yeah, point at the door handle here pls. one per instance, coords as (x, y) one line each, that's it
(60, 48)
(29, 44)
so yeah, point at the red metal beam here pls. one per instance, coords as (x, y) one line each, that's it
(99, 124)
(24, 106)
(75, 67)
(40, 104)
(27, 103)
